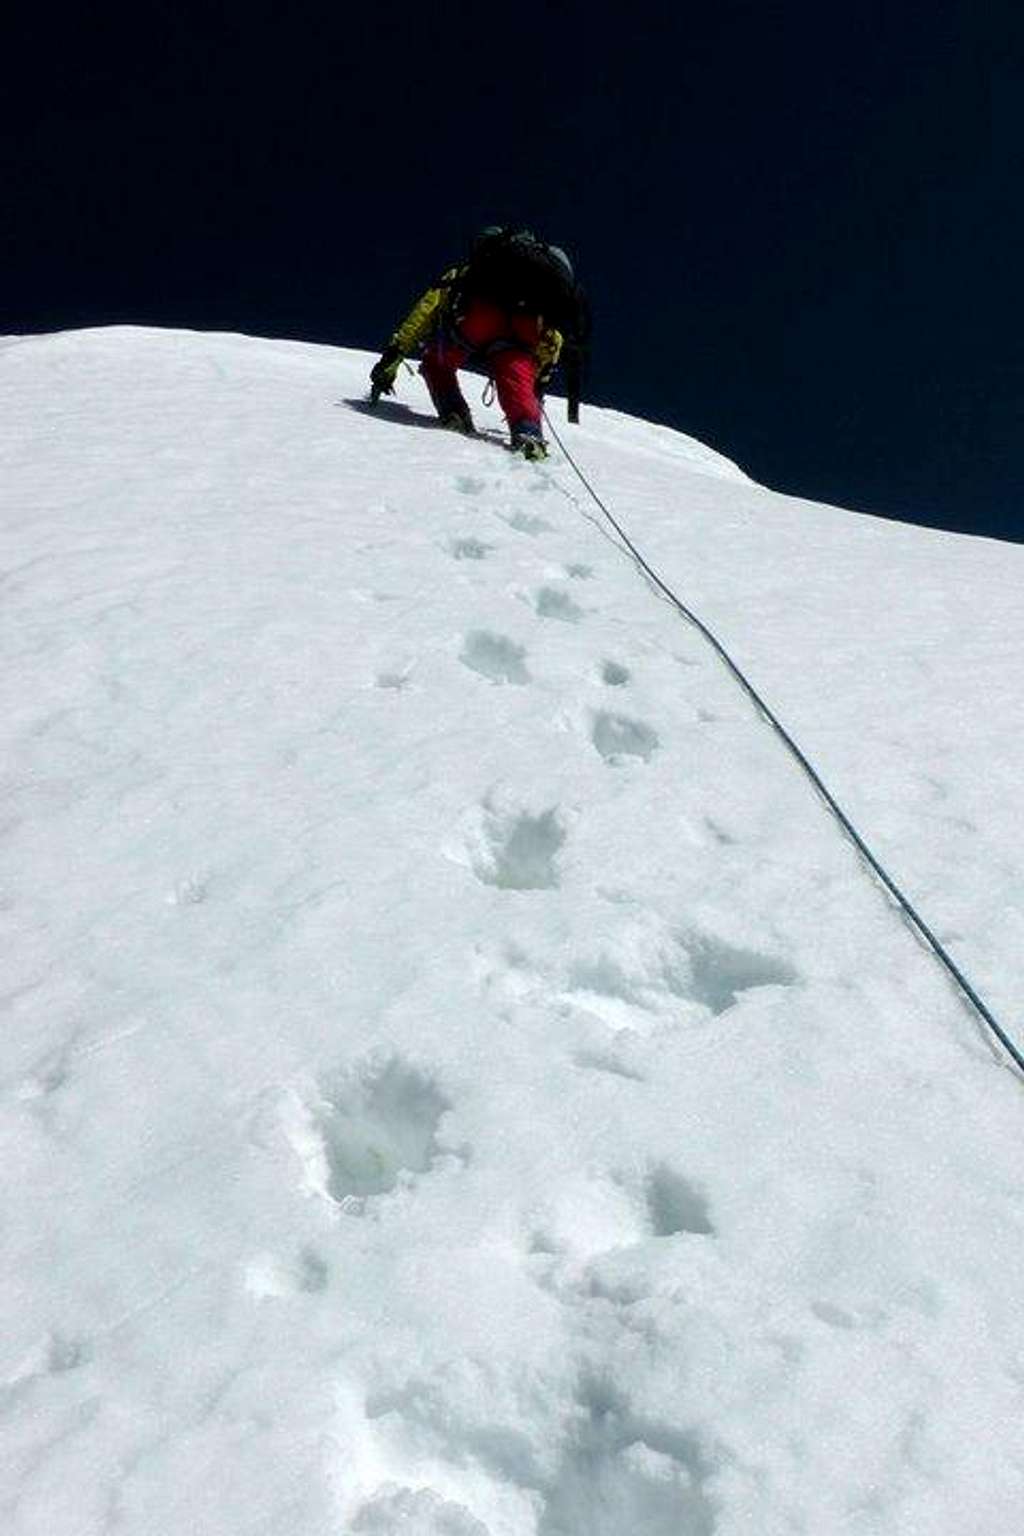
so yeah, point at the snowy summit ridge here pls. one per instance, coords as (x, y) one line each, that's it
(456, 1079)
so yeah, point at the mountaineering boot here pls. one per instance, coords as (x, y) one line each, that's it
(526, 439)
(458, 420)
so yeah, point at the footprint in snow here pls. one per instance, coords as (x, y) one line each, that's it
(607, 1061)
(614, 674)
(617, 737)
(718, 972)
(668, 1205)
(675, 1205)
(311, 1272)
(525, 522)
(469, 485)
(517, 850)
(604, 1469)
(552, 603)
(66, 1353)
(191, 891)
(267, 1276)
(620, 1472)
(419, 1511)
(494, 657)
(634, 980)
(469, 549)
(378, 1125)
(367, 1131)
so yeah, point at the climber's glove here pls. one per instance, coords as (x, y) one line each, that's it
(382, 374)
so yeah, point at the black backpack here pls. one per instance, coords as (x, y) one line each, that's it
(514, 269)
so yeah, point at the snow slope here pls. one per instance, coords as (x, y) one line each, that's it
(456, 1080)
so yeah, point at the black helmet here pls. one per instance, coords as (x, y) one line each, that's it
(491, 232)
(563, 261)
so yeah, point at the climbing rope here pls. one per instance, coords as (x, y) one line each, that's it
(917, 923)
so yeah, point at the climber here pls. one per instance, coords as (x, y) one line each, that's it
(513, 309)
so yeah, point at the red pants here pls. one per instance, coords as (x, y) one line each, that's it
(504, 343)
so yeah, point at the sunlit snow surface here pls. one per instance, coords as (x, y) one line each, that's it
(456, 1080)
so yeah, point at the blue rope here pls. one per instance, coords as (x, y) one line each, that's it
(914, 918)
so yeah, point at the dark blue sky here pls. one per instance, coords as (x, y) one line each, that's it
(800, 225)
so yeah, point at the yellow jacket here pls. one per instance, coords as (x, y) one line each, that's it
(434, 306)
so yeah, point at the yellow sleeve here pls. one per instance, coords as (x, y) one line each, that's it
(417, 322)
(548, 349)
